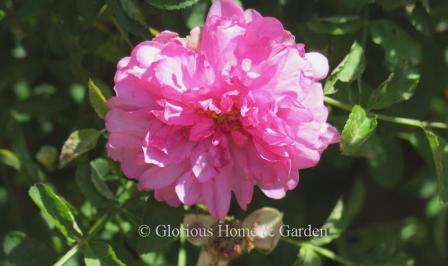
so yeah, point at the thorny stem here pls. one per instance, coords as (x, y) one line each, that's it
(321, 251)
(392, 119)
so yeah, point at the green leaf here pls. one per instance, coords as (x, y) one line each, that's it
(99, 170)
(88, 189)
(2, 14)
(343, 213)
(133, 11)
(350, 68)
(32, 7)
(426, 5)
(22, 90)
(392, 4)
(21, 250)
(55, 210)
(308, 257)
(9, 158)
(3, 195)
(440, 230)
(78, 143)
(97, 100)
(439, 148)
(125, 22)
(336, 25)
(196, 15)
(357, 130)
(399, 86)
(385, 160)
(89, 9)
(419, 141)
(112, 52)
(47, 156)
(172, 4)
(421, 20)
(399, 46)
(154, 213)
(77, 92)
(100, 253)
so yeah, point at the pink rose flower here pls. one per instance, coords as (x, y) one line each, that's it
(236, 104)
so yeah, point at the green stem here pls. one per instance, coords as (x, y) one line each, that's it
(99, 223)
(291, 241)
(338, 104)
(392, 119)
(68, 255)
(123, 34)
(321, 251)
(92, 231)
(182, 256)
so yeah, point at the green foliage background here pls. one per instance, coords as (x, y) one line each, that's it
(381, 193)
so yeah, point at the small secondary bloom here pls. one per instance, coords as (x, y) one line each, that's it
(236, 104)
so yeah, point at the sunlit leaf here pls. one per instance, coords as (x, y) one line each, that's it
(196, 15)
(357, 130)
(97, 100)
(77, 92)
(172, 4)
(350, 68)
(399, 46)
(22, 250)
(99, 253)
(426, 5)
(420, 19)
(2, 14)
(22, 90)
(308, 257)
(399, 86)
(55, 210)
(99, 170)
(9, 158)
(87, 188)
(47, 156)
(439, 148)
(336, 25)
(78, 143)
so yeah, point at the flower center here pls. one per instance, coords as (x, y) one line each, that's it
(228, 121)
